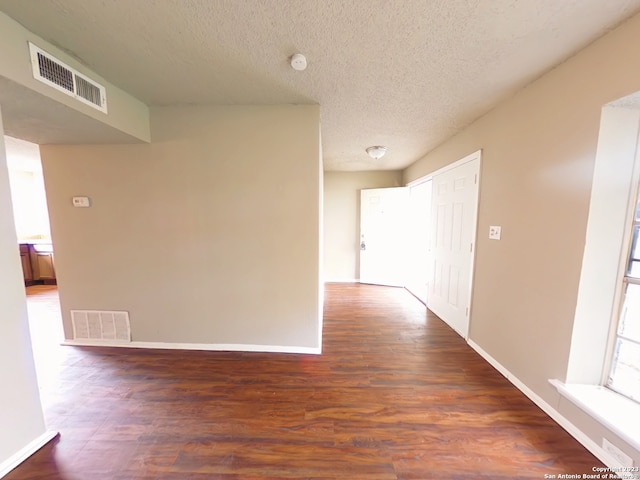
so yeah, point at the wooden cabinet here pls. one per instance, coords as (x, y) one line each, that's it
(42, 263)
(25, 258)
(37, 263)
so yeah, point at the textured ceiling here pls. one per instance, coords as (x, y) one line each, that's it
(407, 74)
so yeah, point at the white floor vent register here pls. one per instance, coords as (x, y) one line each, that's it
(106, 326)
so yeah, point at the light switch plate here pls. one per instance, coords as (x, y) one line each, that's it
(495, 232)
(81, 202)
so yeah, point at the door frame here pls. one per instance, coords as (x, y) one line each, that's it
(475, 156)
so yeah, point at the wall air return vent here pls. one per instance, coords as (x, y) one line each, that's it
(60, 76)
(101, 326)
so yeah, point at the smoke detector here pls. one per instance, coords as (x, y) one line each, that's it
(298, 62)
(376, 152)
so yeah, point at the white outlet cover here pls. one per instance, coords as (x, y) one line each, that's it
(495, 232)
(621, 457)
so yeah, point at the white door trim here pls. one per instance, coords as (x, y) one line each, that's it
(457, 163)
(475, 155)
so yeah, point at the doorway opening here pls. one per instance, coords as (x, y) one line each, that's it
(31, 220)
(422, 237)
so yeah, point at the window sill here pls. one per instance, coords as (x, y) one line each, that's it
(616, 412)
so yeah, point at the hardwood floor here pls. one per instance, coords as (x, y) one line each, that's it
(395, 395)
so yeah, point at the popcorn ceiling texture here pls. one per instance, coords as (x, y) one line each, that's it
(406, 74)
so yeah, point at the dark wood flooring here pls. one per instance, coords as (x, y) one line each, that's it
(395, 395)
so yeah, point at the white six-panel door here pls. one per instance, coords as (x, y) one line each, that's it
(453, 228)
(383, 235)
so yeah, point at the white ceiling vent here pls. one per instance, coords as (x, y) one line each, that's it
(106, 326)
(56, 74)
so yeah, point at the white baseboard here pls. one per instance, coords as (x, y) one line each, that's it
(25, 452)
(574, 431)
(341, 280)
(223, 347)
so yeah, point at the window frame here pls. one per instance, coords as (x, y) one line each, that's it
(621, 283)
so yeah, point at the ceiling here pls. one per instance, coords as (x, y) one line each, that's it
(407, 74)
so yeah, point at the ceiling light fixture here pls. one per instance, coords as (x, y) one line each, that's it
(298, 62)
(377, 152)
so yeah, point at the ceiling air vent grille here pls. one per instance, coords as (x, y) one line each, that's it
(55, 73)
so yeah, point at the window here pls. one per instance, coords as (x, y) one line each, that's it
(27, 190)
(624, 376)
(602, 344)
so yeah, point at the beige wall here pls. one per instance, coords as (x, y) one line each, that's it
(209, 235)
(342, 219)
(20, 411)
(537, 165)
(126, 113)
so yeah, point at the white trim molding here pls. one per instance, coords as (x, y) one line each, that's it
(616, 412)
(574, 431)
(222, 347)
(25, 452)
(467, 158)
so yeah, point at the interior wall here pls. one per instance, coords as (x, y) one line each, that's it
(20, 410)
(538, 152)
(208, 235)
(342, 219)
